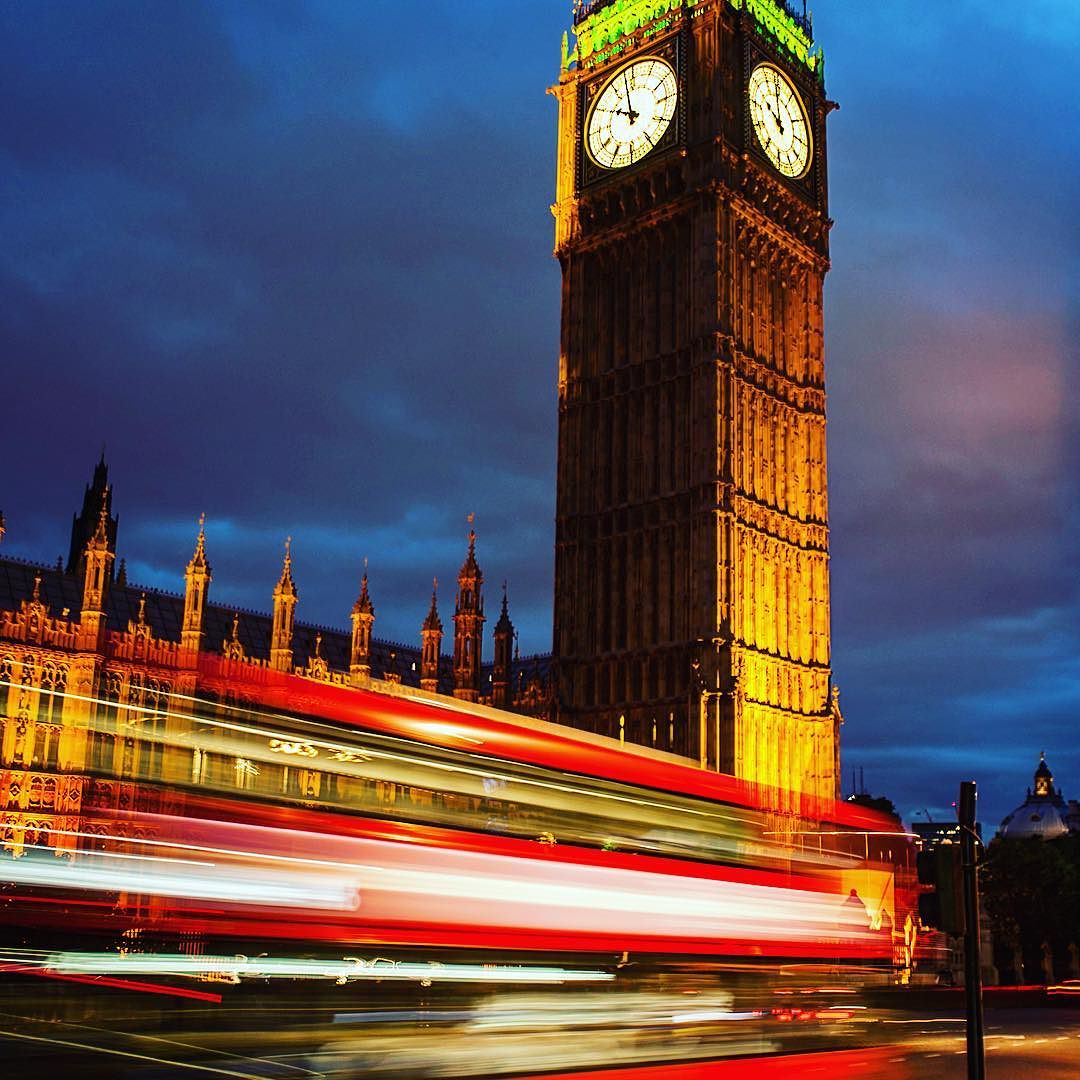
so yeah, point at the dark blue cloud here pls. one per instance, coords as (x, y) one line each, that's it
(952, 307)
(294, 268)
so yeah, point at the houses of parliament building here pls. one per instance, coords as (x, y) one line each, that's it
(691, 599)
(77, 640)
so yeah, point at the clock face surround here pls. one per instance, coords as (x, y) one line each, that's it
(631, 113)
(780, 121)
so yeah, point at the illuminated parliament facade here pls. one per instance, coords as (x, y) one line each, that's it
(93, 668)
(691, 549)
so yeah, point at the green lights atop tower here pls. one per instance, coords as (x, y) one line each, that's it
(604, 30)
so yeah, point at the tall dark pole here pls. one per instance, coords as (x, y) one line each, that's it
(976, 1061)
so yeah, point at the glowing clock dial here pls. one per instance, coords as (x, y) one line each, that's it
(780, 121)
(631, 113)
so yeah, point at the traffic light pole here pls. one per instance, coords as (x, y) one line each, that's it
(976, 1060)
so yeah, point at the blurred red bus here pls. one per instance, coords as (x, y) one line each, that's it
(314, 821)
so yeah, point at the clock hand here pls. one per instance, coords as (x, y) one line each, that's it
(633, 115)
(776, 98)
(776, 118)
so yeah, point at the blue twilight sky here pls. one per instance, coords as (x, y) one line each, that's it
(292, 262)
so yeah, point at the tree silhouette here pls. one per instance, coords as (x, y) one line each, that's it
(1031, 894)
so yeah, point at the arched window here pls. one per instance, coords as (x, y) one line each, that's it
(50, 695)
(103, 736)
(7, 669)
(112, 688)
(149, 722)
(29, 671)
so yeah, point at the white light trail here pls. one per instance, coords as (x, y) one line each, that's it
(193, 881)
(385, 881)
(263, 967)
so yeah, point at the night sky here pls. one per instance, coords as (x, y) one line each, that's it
(291, 263)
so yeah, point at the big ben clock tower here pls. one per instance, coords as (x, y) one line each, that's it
(691, 224)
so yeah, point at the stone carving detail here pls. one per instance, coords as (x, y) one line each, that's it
(231, 646)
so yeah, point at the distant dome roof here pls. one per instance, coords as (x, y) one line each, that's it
(1044, 813)
(1036, 817)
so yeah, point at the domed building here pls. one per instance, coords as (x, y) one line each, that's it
(1044, 813)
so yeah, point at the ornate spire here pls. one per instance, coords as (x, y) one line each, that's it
(197, 578)
(97, 561)
(504, 616)
(86, 524)
(363, 605)
(433, 622)
(500, 672)
(285, 597)
(470, 577)
(431, 634)
(469, 566)
(101, 533)
(198, 560)
(286, 585)
(363, 618)
(468, 624)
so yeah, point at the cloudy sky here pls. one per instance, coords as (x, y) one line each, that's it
(291, 262)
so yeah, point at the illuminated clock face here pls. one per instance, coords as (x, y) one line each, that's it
(631, 113)
(780, 121)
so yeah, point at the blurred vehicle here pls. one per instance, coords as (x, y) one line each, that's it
(362, 839)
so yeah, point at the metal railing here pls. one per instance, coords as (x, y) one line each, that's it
(584, 8)
(795, 8)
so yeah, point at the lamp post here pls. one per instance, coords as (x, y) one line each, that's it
(976, 1062)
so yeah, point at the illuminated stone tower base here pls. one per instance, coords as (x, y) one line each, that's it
(691, 577)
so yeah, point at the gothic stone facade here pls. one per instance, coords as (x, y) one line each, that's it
(691, 580)
(92, 668)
